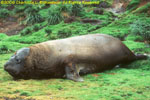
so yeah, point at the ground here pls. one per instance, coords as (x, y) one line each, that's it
(128, 83)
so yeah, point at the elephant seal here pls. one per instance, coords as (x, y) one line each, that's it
(70, 57)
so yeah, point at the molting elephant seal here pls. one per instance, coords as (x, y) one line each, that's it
(70, 57)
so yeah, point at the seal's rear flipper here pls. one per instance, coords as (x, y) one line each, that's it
(72, 73)
(141, 56)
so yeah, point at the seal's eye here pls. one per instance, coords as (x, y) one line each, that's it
(17, 60)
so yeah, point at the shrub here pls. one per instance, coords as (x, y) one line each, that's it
(64, 33)
(141, 27)
(4, 6)
(36, 27)
(4, 13)
(26, 31)
(48, 31)
(65, 8)
(77, 9)
(33, 16)
(3, 49)
(54, 17)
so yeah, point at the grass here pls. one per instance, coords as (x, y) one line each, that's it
(130, 83)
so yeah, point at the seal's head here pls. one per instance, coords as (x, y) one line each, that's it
(15, 65)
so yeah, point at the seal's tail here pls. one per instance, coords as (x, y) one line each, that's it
(141, 56)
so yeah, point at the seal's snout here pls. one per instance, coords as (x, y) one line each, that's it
(6, 67)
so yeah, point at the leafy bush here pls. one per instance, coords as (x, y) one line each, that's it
(77, 9)
(33, 16)
(48, 31)
(26, 31)
(4, 6)
(54, 17)
(141, 27)
(64, 33)
(3, 49)
(4, 13)
(36, 27)
(65, 8)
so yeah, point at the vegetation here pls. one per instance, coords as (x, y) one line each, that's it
(4, 13)
(26, 31)
(77, 9)
(141, 28)
(32, 15)
(133, 5)
(143, 9)
(46, 23)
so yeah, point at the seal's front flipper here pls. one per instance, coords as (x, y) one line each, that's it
(72, 72)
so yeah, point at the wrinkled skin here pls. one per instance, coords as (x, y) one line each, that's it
(15, 64)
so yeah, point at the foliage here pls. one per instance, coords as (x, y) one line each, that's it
(36, 27)
(133, 4)
(3, 49)
(48, 31)
(7, 47)
(33, 16)
(54, 17)
(141, 27)
(26, 31)
(19, 9)
(4, 6)
(65, 8)
(77, 9)
(4, 13)
(2, 36)
(133, 37)
(64, 33)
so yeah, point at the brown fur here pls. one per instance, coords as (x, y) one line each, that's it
(97, 52)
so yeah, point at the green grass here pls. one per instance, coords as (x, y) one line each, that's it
(130, 83)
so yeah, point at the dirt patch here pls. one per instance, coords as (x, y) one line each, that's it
(143, 2)
(10, 26)
(91, 21)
